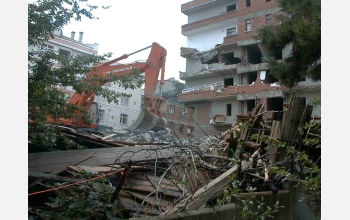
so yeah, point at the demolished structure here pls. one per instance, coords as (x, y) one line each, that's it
(225, 75)
(166, 178)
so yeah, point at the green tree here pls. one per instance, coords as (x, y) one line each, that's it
(44, 80)
(301, 28)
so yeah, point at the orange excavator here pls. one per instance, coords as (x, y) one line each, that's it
(150, 117)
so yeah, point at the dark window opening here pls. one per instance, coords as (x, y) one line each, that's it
(229, 58)
(171, 125)
(65, 53)
(247, 3)
(274, 104)
(182, 128)
(250, 105)
(228, 110)
(228, 82)
(215, 59)
(231, 8)
(254, 54)
(268, 20)
(277, 54)
(252, 77)
(269, 78)
(268, 0)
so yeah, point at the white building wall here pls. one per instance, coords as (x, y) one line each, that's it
(207, 40)
(210, 12)
(113, 111)
(219, 108)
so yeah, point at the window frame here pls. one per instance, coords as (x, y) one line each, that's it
(268, 20)
(183, 113)
(248, 3)
(228, 30)
(248, 22)
(122, 118)
(172, 109)
(181, 127)
(101, 112)
(227, 10)
(127, 100)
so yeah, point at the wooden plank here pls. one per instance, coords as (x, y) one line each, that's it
(63, 168)
(134, 206)
(98, 169)
(167, 189)
(202, 195)
(162, 203)
(108, 136)
(37, 175)
(49, 161)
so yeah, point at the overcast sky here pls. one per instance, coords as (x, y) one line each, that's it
(134, 24)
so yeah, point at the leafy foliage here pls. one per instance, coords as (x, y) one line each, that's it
(300, 28)
(49, 72)
(85, 202)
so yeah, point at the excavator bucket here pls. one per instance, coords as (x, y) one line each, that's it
(148, 121)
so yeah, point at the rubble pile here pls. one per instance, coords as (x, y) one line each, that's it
(155, 173)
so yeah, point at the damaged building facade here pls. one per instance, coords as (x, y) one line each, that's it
(225, 75)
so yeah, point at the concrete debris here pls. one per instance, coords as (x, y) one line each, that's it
(192, 172)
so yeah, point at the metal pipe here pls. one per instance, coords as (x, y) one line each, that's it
(139, 50)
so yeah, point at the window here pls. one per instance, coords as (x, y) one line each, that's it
(268, 20)
(228, 82)
(182, 128)
(247, 3)
(172, 109)
(65, 53)
(228, 109)
(183, 112)
(231, 31)
(248, 25)
(268, 0)
(101, 115)
(231, 8)
(123, 119)
(47, 46)
(125, 100)
(171, 125)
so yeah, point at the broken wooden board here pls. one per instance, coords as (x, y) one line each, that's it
(166, 186)
(50, 161)
(201, 196)
(63, 168)
(131, 205)
(162, 203)
(98, 169)
(42, 176)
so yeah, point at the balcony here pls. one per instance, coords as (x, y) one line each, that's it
(187, 51)
(208, 70)
(214, 86)
(222, 17)
(241, 92)
(251, 68)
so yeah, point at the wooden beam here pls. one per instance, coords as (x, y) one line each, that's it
(201, 196)
(37, 175)
(63, 168)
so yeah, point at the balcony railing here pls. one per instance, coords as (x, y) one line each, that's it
(204, 87)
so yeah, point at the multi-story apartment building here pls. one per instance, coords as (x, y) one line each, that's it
(180, 120)
(112, 115)
(225, 75)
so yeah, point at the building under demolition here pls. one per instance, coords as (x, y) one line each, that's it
(225, 75)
